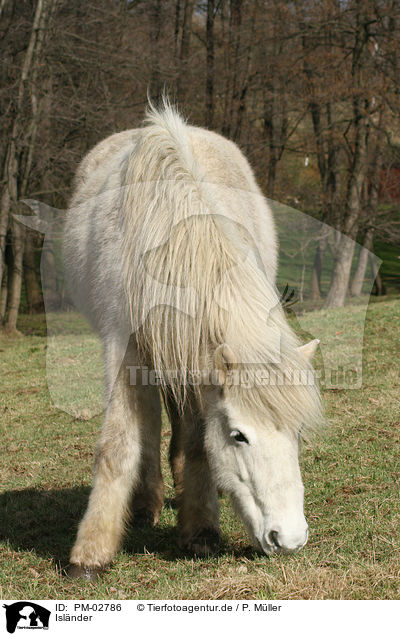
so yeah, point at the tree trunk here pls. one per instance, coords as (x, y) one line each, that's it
(9, 195)
(379, 286)
(210, 63)
(315, 287)
(232, 70)
(32, 287)
(3, 297)
(245, 72)
(185, 48)
(341, 273)
(177, 24)
(371, 207)
(15, 283)
(359, 275)
(271, 173)
(2, 7)
(270, 120)
(51, 292)
(345, 250)
(155, 27)
(19, 157)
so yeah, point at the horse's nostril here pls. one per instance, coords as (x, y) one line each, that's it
(273, 537)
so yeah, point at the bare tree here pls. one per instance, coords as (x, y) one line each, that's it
(232, 63)
(210, 63)
(19, 157)
(346, 90)
(185, 49)
(155, 53)
(359, 166)
(283, 79)
(370, 206)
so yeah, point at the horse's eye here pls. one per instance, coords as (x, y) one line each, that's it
(239, 437)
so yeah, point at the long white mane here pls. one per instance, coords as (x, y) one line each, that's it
(200, 271)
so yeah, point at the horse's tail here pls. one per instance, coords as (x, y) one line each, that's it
(172, 252)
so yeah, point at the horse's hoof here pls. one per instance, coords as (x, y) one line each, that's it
(81, 572)
(143, 517)
(204, 543)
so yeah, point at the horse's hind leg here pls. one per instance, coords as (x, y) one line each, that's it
(198, 505)
(131, 410)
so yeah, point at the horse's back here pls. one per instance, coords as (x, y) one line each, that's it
(101, 162)
(221, 160)
(230, 178)
(94, 234)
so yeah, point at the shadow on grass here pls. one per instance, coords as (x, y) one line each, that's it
(46, 522)
(43, 521)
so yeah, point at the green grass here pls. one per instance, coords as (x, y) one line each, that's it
(351, 475)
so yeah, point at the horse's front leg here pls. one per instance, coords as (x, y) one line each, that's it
(198, 504)
(132, 410)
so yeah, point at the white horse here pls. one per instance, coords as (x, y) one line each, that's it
(171, 253)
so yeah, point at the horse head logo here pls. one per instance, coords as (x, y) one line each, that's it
(26, 615)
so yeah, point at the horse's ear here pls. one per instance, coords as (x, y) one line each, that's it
(224, 361)
(309, 349)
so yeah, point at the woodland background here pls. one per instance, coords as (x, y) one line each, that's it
(309, 90)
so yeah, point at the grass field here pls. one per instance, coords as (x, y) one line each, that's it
(351, 476)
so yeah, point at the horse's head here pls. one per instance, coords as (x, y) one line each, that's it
(257, 465)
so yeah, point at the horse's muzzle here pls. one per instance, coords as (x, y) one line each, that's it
(276, 540)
